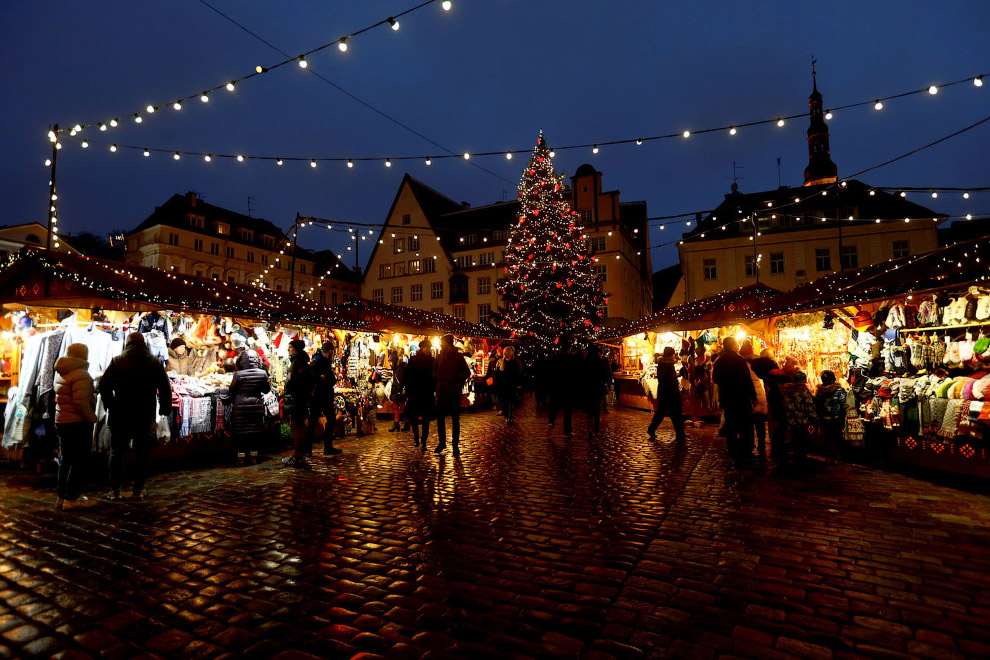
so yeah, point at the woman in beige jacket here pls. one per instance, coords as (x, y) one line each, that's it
(74, 419)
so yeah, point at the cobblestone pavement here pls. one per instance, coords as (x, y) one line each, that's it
(523, 547)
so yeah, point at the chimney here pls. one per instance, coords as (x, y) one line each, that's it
(191, 198)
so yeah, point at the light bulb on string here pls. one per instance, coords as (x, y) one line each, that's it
(446, 4)
(978, 81)
(240, 158)
(350, 163)
(113, 148)
(103, 126)
(146, 153)
(965, 195)
(828, 115)
(278, 161)
(933, 90)
(302, 62)
(639, 141)
(177, 106)
(428, 161)
(732, 130)
(388, 162)
(138, 119)
(508, 155)
(230, 86)
(85, 144)
(594, 149)
(207, 158)
(150, 109)
(113, 123)
(878, 105)
(394, 24)
(204, 97)
(48, 162)
(686, 134)
(176, 156)
(934, 195)
(780, 122)
(312, 163)
(467, 156)
(342, 45)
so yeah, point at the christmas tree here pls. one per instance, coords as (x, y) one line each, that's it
(549, 288)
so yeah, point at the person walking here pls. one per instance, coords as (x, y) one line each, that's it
(760, 408)
(396, 360)
(493, 359)
(831, 403)
(321, 405)
(298, 393)
(75, 416)
(129, 388)
(595, 377)
(247, 415)
(508, 381)
(419, 386)
(668, 397)
(736, 396)
(450, 371)
(562, 370)
(801, 414)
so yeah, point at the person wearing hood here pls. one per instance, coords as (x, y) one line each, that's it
(450, 372)
(131, 387)
(668, 397)
(297, 395)
(247, 416)
(74, 418)
(737, 395)
(831, 403)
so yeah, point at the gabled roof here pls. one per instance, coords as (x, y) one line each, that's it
(480, 220)
(880, 204)
(665, 282)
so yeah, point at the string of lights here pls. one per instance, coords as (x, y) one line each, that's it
(342, 43)
(350, 162)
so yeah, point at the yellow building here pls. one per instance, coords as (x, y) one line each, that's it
(189, 236)
(438, 255)
(788, 236)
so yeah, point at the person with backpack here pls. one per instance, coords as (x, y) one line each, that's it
(830, 401)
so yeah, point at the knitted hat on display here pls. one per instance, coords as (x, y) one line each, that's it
(80, 351)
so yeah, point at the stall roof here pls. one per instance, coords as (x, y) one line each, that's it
(384, 316)
(58, 279)
(951, 267)
(721, 309)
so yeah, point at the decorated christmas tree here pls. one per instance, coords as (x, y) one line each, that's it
(549, 288)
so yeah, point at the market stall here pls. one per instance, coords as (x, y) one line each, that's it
(691, 330)
(911, 339)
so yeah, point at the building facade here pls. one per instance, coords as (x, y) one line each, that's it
(438, 255)
(29, 234)
(189, 236)
(788, 236)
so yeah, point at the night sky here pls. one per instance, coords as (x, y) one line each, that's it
(484, 76)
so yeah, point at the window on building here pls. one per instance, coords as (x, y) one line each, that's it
(750, 262)
(384, 270)
(472, 239)
(173, 239)
(399, 268)
(436, 310)
(436, 290)
(231, 278)
(603, 309)
(269, 241)
(601, 272)
(223, 229)
(776, 263)
(413, 243)
(406, 219)
(463, 261)
(823, 260)
(484, 313)
(901, 249)
(378, 295)
(597, 244)
(323, 296)
(333, 298)
(398, 245)
(247, 235)
(230, 252)
(396, 294)
(302, 268)
(499, 235)
(250, 257)
(199, 273)
(585, 217)
(198, 244)
(484, 285)
(430, 266)
(215, 249)
(264, 259)
(415, 266)
(416, 292)
(458, 312)
(486, 258)
(216, 276)
(710, 267)
(195, 222)
(849, 257)
(278, 287)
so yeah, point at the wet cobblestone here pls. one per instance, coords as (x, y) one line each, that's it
(524, 546)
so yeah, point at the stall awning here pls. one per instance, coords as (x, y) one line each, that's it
(38, 277)
(949, 267)
(722, 309)
(396, 318)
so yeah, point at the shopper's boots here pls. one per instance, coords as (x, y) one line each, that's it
(394, 427)
(329, 449)
(405, 426)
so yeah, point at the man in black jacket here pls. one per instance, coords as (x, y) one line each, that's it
(736, 395)
(668, 397)
(130, 388)
(322, 402)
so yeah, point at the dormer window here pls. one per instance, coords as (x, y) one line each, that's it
(269, 242)
(247, 235)
(196, 222)
(223, 229)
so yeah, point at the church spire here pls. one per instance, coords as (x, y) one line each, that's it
(820, 168)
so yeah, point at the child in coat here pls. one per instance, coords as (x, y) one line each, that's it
(801, 413)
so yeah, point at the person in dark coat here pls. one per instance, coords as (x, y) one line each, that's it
(419, 386)
(769, 371)
(396, 360)
(131, 386)
(508, 380)
(297, 395)
(561, 371)
(737, 396)
(321, 405)
(450, 371)
(247, 416)
(595, 377)
(668, 397)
